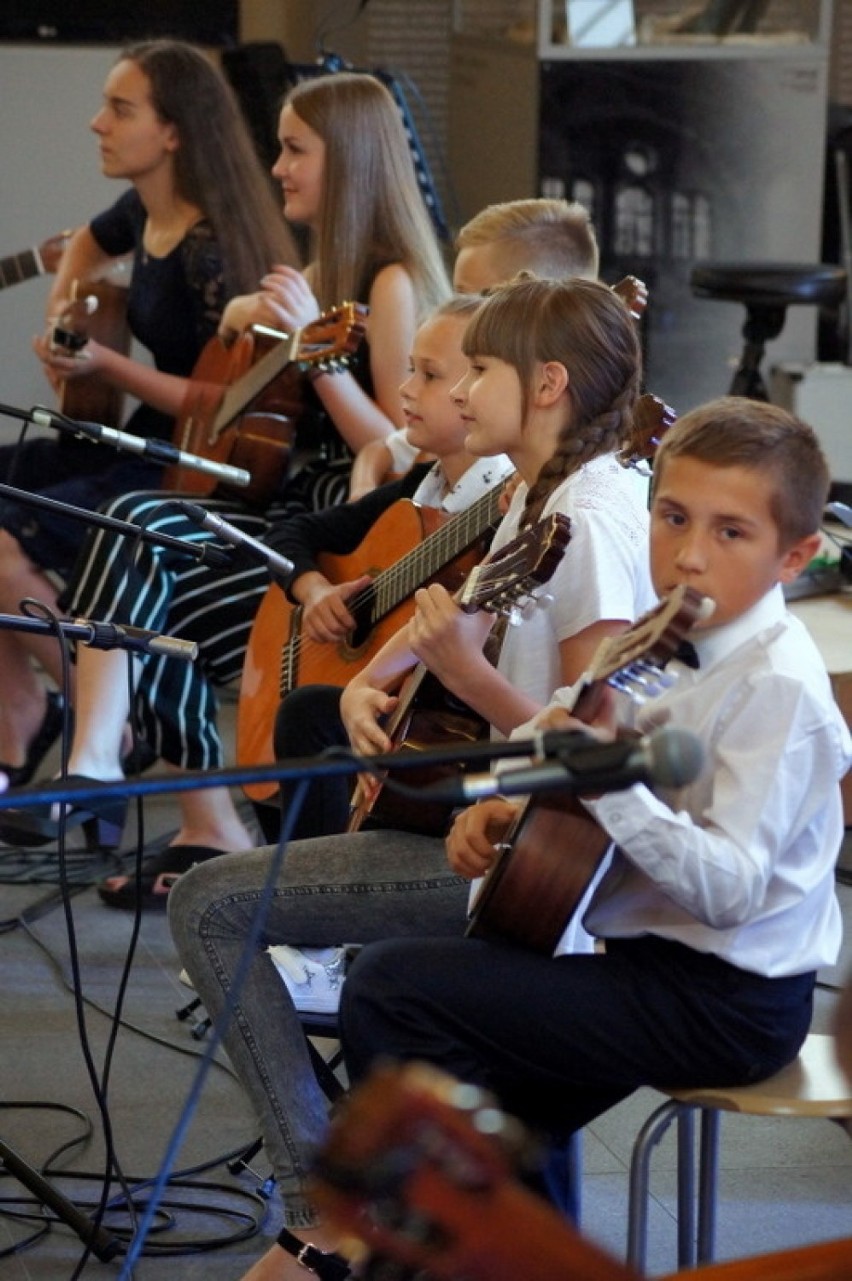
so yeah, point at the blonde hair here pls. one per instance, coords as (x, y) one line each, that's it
(584, 326)
(371, 212)
(552, 238)
(735, 432)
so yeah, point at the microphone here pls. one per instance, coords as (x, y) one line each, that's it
(669, 757)
(137, 640)
(279, 566)
(160, 450)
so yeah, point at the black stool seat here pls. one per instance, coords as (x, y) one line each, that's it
(770, 284)
(766, 290)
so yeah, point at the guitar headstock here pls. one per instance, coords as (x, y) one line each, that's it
(327, 342)
(634, 661)
(418, 1168)
(633, 292)
(652, 418)
(510, 576)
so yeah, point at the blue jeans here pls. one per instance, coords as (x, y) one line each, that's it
(335, 889)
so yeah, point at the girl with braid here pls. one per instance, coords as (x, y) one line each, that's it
(553, 377)
(552, 381)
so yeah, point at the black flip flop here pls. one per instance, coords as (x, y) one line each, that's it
(159, 874)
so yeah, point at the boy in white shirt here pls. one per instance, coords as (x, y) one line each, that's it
(719, 906)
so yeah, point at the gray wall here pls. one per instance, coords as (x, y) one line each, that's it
(51, 179)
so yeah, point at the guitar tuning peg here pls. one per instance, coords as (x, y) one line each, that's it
(514, 616)
(543, 600)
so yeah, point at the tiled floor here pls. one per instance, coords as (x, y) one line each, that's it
(782, 1183)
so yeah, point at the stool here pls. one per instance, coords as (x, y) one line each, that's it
(766, 290)
(812, 1085)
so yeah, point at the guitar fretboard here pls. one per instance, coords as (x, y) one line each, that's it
(416, 567)
(397, 583)
(19, 267)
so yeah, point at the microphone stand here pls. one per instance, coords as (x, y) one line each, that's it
(204, 553)
(303, 767)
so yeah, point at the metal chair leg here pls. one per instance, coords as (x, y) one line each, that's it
(640, 1174)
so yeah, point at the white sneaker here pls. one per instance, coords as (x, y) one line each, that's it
(312, 976)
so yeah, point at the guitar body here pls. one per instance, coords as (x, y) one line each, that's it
(260, 441)
(279, 658)
(553, 849)
(91, 399)
(244, 402)
(544, 868)
(431, 718)
(426, 714)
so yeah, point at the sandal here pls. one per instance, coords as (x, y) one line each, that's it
(326, 1265)
(159, 874)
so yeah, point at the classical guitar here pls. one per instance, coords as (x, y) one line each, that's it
(554, 847)
(244, 400)
(408, 546)
(418, 1170)
(22, 266)
(96, 309)
(505, 583)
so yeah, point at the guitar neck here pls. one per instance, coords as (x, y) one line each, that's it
(19, 267)
(257, 378)
(401, 580)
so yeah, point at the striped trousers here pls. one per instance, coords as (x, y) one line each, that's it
(125, 580)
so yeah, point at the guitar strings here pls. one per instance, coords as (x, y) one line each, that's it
(395, 584)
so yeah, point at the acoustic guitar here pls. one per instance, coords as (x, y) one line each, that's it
(96, 309)
(426, 714)
(22, 266)
(408, 547)
(554, 847)
(418, 1169)
(244, 400)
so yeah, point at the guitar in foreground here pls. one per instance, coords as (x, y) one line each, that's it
(424, 716)
(419, 1169)
(244, 400)
(550, 854)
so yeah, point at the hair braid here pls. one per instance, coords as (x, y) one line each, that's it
(579, 444)
(584, 326)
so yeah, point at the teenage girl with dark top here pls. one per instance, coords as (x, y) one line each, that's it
(347, 174)
(201, 223)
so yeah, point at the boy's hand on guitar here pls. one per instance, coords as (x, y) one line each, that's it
(325, 616)
(362, 707)
(474, 834)
(444, 637)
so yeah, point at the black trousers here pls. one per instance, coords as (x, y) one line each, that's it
(560, 1041)
(308, 721)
